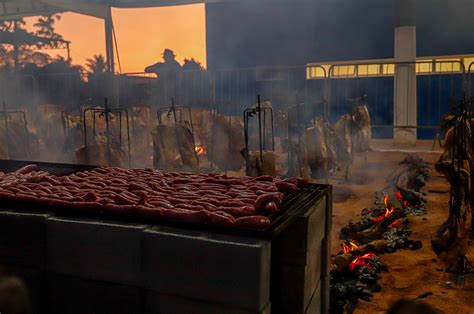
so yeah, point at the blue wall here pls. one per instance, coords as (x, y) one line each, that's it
(248, 33)
(266, 32)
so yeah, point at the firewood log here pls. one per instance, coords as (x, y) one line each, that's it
(378, 229)
(341, 261)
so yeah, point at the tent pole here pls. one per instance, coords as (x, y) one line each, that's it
(109, 47)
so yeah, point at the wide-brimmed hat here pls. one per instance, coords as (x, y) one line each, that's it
(168, 52)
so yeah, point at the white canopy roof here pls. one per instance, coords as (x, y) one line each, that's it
(10, 9)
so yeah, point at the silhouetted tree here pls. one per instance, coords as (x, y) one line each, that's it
(97, 64)
(192, 65)
(19, 46)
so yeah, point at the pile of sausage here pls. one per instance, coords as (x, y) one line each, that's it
(216, 199)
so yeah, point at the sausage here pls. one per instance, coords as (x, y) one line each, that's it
(98, 183)
(190, 207)
(26, 197)
(105, 200)
(217, 181)
(13, 189)
(142, 198)
(118, 209)
(253, 222)
(238, 211)
(181, 181)
(270, 208)
(263, 199)
(231, 203)
(44, 189)
(236, 182)
(176, 201)
(55, 202)
(155, 194)
(242, 195)
(160, 202)
(118, 181)
(221, 218)
(149, 212)
(266, 188)
(101, 170)
(123, 200)
(265, 178)
(114, 189)
(137, 186)
(302, 182)
(208, 206)
(184, 187)
(26, 169)
(87, 205)
(89, 197)
(83, 174)
(286, 187)
(213, 187)
(245, 200)
(189, 216)
(291, 180)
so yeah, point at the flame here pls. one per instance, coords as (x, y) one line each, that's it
(361, 261)
(346, 248)
(200, 150)
(388, 209)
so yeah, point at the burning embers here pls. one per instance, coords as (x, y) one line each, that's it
(359, 260)
(200, 150)
(389, 208)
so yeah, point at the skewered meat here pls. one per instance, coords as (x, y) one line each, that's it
(174, 148)
(361, 130)
(343, 130)
(226, 142)
(314, 141)
(256, 166)
(452, 238)
(96, 154)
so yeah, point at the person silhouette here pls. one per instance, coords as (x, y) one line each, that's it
(169, 75)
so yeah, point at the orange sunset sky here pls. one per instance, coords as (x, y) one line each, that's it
(142, 35)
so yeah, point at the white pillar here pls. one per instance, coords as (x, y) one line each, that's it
(405, 99)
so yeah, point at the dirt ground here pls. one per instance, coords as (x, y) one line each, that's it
(411, 273)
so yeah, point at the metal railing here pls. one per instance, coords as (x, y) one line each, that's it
(438, 84)
(230, 91)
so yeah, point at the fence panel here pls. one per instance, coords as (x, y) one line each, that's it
(349, 83)
(439, 83)
(470, 80)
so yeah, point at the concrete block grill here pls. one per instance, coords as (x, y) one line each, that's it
(222, 269)
(23, 238)
(170, 267)
(109, 252)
